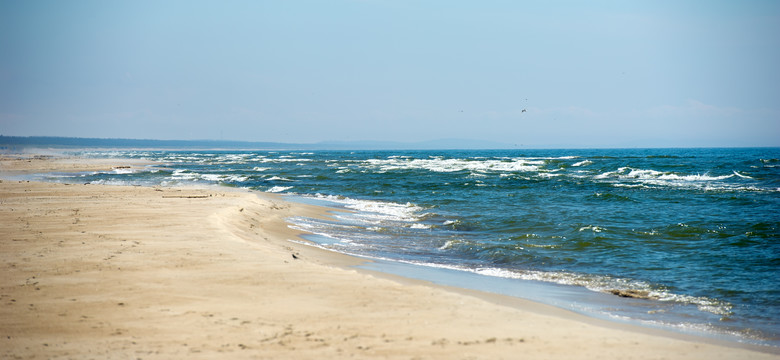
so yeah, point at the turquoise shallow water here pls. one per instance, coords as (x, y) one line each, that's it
(693, 235)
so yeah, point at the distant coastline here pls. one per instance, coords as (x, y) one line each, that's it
(20, 142)
(16, 143)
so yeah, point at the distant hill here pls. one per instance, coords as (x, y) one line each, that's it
(20, 142)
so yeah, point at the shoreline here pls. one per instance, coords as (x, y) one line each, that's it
(144, 277)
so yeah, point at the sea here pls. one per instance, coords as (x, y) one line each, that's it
(680, 239)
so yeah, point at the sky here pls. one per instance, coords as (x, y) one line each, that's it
(526, 73)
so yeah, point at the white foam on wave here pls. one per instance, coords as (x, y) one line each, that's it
(206, 158)
(283, 160)
(211, 177)
(644, 178)
(111, 182)
(628, 173)
(595, 229)
(278, 178)
(549, 175)
(440, 164)
(602, 283)
(568, 157)
(278, 189)
(742, 176)
(234, 178)
(378, 210)
(314, 228)
(223, 178)
(181, 174)
(186, 175)
(447, 245)
(633, 186)
(230, 158)
(697, 177)
(124, 171)
(583, 163)
(309, 229)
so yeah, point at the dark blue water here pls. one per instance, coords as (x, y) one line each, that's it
(692, 235)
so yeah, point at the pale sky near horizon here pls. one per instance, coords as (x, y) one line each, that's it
(587, 73)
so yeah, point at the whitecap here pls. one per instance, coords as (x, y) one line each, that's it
(583, 163)
(593, 228)
(630, 177)
(282, 160)
(278, 178)
(377, 210)
(124, 171)
(181, 174)
(111, 182)
(277, 189)
(440, 164)
(236, 178)
(697, 177)
(446, 245)
(742, 176)
(211, 177)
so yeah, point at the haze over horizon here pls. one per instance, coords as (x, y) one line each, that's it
(539, 74)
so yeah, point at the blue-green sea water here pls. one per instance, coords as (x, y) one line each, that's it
(689, 237)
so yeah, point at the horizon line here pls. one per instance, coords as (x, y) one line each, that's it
(34, 141)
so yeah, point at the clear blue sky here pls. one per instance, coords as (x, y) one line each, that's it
(588, 73)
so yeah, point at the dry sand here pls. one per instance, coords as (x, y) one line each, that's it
(94, 271)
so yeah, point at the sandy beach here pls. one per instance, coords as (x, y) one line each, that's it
(96, 271)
